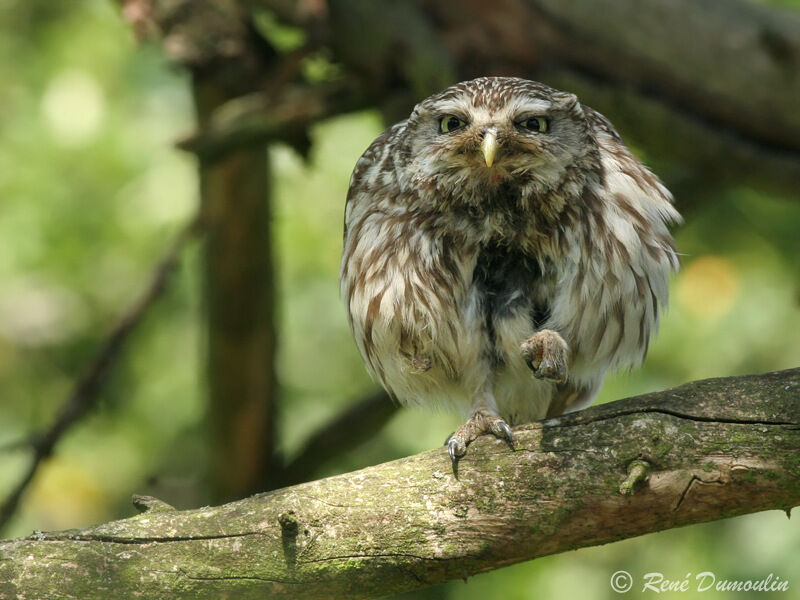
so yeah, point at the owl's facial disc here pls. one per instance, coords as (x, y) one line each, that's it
(477, 137)
(492, 142)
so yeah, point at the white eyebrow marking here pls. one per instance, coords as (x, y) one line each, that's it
(528, 105)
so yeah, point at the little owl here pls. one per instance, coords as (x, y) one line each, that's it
(503, 249)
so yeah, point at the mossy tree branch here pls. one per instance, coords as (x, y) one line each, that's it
(703, 451)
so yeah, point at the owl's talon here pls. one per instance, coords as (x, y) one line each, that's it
(456, 450)
(502, 430)
(481, 421)
(545, 353)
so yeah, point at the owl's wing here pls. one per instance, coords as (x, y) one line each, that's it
(377, 159)
(621, 260)
(627, 182)
(638, 209)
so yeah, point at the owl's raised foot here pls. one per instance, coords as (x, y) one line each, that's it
(546, 355)
(482, 421)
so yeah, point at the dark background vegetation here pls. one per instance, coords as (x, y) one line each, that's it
(246, 356)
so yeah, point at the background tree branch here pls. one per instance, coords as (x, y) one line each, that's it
(706, 450)
(84, 394)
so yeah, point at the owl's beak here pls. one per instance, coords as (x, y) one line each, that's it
(489, 147)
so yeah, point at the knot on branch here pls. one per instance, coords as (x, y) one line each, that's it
(290, 527)
(289, 523)
(638, 471)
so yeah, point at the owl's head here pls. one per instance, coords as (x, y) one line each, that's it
(496, 131)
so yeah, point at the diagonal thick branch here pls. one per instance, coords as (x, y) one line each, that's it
(703, 451)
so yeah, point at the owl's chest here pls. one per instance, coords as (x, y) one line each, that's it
(505, 280)
(508, 298)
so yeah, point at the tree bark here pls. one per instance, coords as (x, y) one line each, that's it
(706, 450)
(239, 299)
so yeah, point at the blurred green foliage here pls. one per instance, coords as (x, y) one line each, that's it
(91, 191)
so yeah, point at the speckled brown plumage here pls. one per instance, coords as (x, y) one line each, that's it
(502, 261)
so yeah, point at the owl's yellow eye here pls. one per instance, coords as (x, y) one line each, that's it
(450, 123)
(540, 124)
